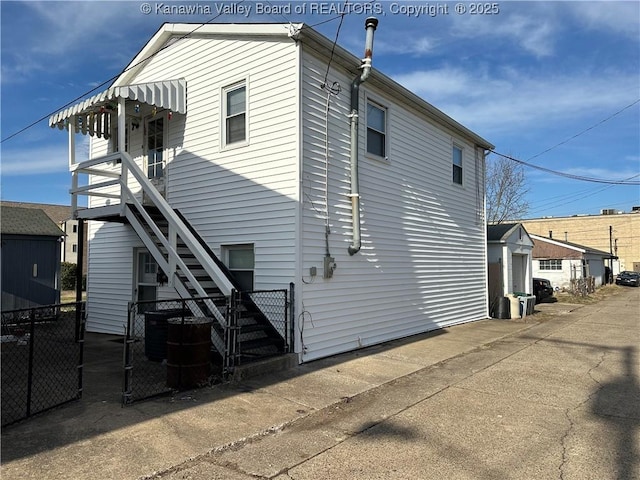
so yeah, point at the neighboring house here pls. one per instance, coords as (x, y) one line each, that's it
(63, 217)
(509, 253)
(611, 231)
(561, 262)
(239, 138)
(30, 258)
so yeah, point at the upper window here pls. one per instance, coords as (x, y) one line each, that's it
(376, 130)
(235, 113)
(155, 147)
(552, 264)
(457, 165)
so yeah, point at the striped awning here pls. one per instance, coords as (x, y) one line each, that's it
(93, 115)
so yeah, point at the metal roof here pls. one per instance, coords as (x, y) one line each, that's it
(167, 94)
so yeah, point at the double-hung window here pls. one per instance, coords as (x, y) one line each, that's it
(235, 113)
(457, 165)
(376, 130)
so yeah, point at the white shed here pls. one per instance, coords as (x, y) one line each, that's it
(509, 252)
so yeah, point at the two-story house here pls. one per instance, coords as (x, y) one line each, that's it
(252, 156)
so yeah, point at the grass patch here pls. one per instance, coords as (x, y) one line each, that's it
(600, 294)
(69, 296)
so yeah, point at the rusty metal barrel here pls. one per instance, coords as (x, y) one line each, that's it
(188, 352)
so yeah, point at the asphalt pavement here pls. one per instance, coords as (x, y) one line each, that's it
(555, 395)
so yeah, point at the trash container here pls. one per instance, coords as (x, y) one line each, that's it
(155, 332)
(188, 351)
(514, 307)
(503, 310)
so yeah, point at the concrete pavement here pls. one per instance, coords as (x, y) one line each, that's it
(555, 395)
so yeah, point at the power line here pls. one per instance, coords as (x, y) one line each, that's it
(569, 175)
(586, 130)
(80, 97)
(335, 42)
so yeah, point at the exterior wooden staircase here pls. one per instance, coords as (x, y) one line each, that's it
(181, 253)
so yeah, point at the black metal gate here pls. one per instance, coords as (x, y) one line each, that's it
(42, 359)
(159, 332)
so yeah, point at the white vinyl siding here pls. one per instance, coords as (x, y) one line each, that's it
(422, 264)
(109, 276)
(243, 195)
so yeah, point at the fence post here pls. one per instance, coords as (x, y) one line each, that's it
(32, 329)
(292, 310)
(80, 339)
(128, 367)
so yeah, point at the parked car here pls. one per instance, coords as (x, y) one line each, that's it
(542, 289)
(628, 278)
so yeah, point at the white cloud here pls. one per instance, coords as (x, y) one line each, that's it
(416, 46)
(509, 100)
(612, 17)
(35, 160)
(533, 32)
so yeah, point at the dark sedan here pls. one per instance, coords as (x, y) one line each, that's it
(542, 289)
(628, 278)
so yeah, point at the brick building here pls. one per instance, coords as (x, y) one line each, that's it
(617, 233)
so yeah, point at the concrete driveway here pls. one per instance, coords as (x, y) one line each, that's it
(556, 395)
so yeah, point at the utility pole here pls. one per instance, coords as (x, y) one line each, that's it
(610, 251)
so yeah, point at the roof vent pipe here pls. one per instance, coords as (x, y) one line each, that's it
(370, 25)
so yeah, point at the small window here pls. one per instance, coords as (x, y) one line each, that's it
(376, 130)
(235, 114)
(75, 229)
(457, 165)
(552, 264)
(74, 248)
(241, 261)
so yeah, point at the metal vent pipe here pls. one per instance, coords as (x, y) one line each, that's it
(370, 25)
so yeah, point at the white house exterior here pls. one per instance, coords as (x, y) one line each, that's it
(510, 247)
(233, 126)
(561, 262)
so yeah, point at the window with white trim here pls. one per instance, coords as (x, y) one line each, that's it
(551, 264)
(457, 165)
(376, 130)
(155, 147)
(240, 260)
(235, 113)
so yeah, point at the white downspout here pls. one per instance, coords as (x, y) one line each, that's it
(370, 25)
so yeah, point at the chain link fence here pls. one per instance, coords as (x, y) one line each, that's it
(186, 343)
(42, 356)
(259, 327)
(168, 346)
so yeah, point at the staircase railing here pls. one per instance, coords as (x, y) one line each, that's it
(176, 226)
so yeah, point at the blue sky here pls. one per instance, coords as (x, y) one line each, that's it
(526, 77)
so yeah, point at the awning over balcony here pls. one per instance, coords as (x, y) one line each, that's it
(94, 115)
